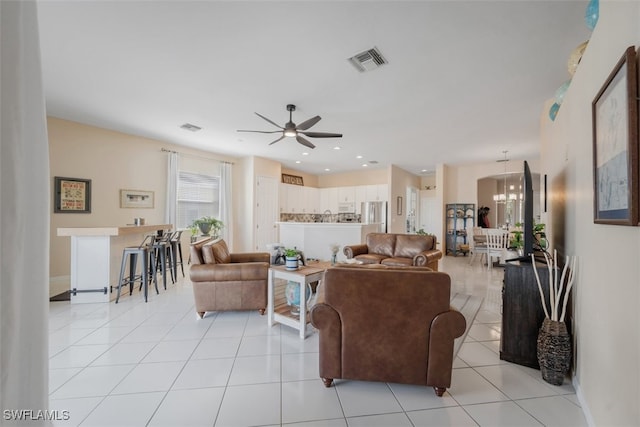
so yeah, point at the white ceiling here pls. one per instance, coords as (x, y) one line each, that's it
(465, 80)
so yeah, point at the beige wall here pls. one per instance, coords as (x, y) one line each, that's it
(363, 177)
(607, 293)
(400, 180)
(112, 161)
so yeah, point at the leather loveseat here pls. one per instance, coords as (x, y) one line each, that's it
(396, 250)
(390, 324)
(227, 281)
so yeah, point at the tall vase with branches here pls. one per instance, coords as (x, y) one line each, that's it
(554, 342)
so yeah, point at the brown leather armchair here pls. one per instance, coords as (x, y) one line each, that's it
(396, 250)
(227, 281)
(387, 324)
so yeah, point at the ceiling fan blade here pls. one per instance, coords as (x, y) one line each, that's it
(322, 134)
(304, 142)
(259, 131)
(307, 124)
(263, 117)
(282, 137)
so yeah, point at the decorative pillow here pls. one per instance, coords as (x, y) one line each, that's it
(196, 251)
(221, 252)
(207, 253)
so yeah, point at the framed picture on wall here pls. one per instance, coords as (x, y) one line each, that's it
(71, 195)
(615, 145)
(136, 199)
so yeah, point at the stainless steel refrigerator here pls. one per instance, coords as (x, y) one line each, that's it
(372, 212)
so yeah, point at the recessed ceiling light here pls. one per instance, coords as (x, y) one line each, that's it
(365, 165)
(298, 161)
(305, 154)
(423, 170)
(336, 148)
(358, 157)
(327, 169)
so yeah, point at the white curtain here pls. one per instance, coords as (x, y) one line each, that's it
(226, 203)
(24, 215)
(172, 189)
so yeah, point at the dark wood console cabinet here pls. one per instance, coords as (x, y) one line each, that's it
(522, 313)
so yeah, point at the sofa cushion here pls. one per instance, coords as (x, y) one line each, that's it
(196, 251)
(207, 253)
(410, 245)
(370, 258)
(381, 243)
(398, 262)
(221, 252)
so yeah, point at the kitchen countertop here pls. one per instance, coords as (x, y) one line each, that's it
(340, 224)
(112, 231)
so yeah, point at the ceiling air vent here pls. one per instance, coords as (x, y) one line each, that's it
(190, 127)
(368, 60)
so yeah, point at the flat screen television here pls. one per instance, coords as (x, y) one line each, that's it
(527, 220)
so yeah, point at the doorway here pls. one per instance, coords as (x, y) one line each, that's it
(503, 195)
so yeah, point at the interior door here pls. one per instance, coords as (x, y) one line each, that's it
(266, 212)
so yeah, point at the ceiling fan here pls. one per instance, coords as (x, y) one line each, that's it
(290, 129)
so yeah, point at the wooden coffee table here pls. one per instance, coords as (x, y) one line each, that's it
(277, 308)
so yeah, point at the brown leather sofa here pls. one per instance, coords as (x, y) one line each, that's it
(388, 324)
(396, 250)
(227, 281)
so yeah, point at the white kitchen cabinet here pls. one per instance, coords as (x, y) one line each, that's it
(310, 200)
(294, 199)
(329, 199)
(283, 193)
(298, 199)
(377, 192)
(361, 196)
(346, 194)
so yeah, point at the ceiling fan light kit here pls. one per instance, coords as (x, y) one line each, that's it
(291, 130)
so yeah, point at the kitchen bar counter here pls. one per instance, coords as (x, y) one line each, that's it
(96, 254)
(315, 238)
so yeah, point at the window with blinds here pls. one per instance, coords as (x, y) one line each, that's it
(198, 196)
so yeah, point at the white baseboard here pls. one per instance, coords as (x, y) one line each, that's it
(583, 402)
(58, 285)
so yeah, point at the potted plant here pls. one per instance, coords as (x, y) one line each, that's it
(517, 242)
(208, 224)
(541, 237)
(291, 258)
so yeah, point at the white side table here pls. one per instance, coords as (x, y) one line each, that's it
(277, 308)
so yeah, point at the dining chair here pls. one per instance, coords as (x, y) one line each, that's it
(497, 243)
(477, 244)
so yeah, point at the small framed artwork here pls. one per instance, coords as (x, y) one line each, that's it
(399, 205)
(615, 145)
(72, 195)
(292, 179)
(136, 199)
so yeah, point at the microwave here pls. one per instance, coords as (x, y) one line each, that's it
(346, 207)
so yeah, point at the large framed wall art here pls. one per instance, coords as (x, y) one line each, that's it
(615, 145)
(71, 195)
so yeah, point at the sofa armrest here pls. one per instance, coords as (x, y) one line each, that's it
(353, 250)
(445, 328)
(327, 320)
(424, 258)
(229, 272)
(251, 257)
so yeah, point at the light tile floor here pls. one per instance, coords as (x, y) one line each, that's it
(157, 364)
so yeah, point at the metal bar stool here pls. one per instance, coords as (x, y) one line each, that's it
(160, 248)
(176, 246)
(131, 254)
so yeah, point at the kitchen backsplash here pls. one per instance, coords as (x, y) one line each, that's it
(341, 217)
